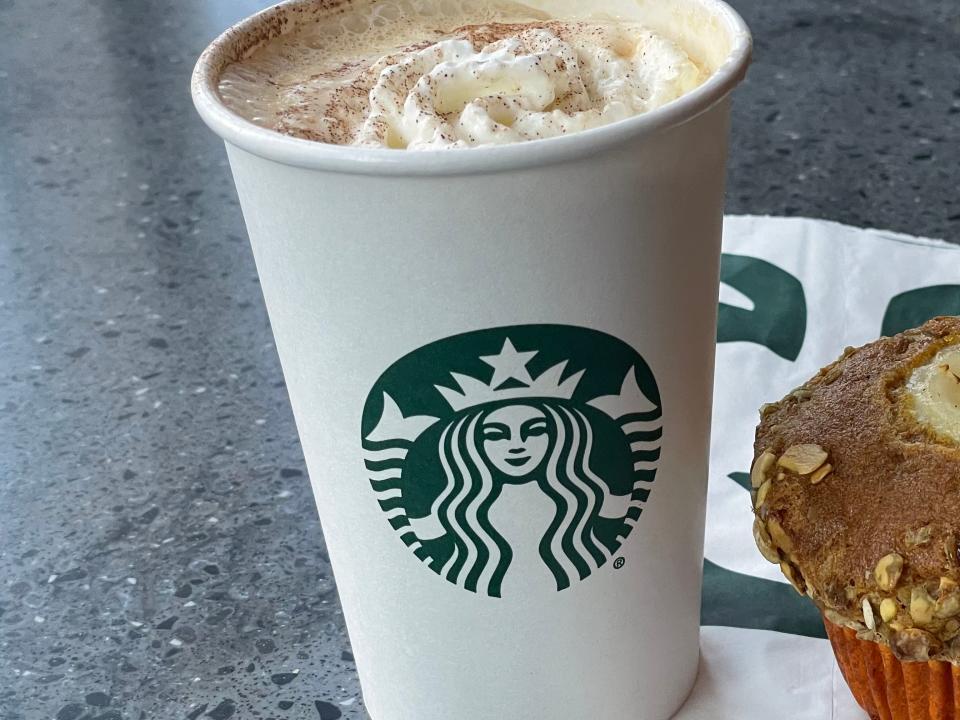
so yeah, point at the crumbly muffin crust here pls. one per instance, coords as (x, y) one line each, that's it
(860, 504)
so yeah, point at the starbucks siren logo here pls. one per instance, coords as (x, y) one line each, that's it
(574, 411)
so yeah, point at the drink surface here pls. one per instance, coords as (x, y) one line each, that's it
(428, 74)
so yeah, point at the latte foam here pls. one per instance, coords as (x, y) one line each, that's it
(439, 74)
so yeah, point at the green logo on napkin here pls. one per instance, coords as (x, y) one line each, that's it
(778, 321)
(572, 413)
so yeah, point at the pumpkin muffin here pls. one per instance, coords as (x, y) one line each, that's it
(856, 492)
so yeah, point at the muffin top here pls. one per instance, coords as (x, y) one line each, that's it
(856, 490)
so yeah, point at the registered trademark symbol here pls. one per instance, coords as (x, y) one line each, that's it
(619, 563)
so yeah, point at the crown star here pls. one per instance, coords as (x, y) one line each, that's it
(509, 364)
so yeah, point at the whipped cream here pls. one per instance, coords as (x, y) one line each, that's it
(935, 390)
(473, 85)
(533, 85)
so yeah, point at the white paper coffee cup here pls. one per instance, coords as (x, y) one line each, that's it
(500, 361)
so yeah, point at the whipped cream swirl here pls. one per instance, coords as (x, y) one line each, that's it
(534, 85)
(475, 85)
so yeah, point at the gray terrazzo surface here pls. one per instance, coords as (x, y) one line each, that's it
(160, 555)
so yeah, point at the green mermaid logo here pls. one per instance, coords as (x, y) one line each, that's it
(572, 412)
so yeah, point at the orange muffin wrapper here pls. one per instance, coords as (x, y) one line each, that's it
(890, 689)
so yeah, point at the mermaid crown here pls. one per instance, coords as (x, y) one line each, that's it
(511, 380)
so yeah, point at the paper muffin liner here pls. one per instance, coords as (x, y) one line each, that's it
(891, 689)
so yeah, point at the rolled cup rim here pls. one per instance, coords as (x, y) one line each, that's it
(309, 154)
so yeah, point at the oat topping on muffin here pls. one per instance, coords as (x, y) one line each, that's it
(856, 490)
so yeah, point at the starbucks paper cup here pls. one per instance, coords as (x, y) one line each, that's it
(500, 361)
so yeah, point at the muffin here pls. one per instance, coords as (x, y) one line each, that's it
(856, 493)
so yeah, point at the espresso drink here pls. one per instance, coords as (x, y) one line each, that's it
(436, 74)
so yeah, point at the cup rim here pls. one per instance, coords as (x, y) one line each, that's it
(309, 154)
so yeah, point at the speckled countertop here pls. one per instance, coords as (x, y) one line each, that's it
(160, 555)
